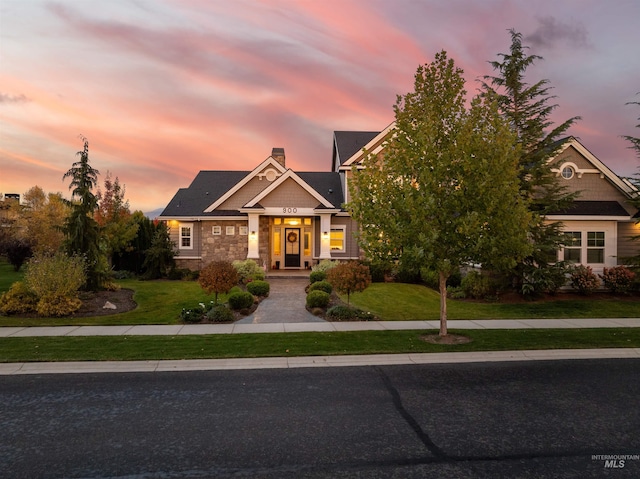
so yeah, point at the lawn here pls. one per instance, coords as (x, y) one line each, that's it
(8, 276)
(129, 348)
(397, 301)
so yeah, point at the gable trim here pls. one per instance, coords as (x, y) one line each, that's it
(254, 173)
(289, 174)
(624, 186)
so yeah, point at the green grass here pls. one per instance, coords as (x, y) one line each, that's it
(300, 344)
(397, 301)
(8, 276)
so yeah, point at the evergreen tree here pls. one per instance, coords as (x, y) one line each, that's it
(82, 232)
(158, 258)
(528, 108)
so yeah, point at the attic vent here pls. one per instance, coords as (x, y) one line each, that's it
(278, 155)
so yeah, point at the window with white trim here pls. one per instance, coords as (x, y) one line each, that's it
(243, 230)
(337, 239)
(186, 236)
(573, 247)
(231, 230)
(595, 247)
(216, 230)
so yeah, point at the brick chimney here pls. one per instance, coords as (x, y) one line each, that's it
(278, 155)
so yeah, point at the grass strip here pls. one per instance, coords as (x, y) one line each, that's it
(128, 348)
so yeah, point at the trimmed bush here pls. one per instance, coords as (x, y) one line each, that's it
(316, 276)
(618, 279)
(220, 314)
(242, 300)
(56, 275)
(236, 289)
(584, 280)
(18, 300)
(258, 288)
(317, 299)
(321, 286)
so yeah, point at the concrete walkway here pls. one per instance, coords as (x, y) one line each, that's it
(295, 327)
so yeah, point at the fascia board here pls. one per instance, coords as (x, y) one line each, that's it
(374, 146)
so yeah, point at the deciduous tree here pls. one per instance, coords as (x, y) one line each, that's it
(218, 277)
(349, 277)
(446, 191)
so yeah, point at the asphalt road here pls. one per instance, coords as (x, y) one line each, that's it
(486, 420)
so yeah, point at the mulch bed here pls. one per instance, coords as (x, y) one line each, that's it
(93, 302)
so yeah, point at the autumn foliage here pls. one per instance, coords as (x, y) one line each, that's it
(218, 277)
(349, 277)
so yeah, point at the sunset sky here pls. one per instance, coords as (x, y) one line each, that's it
(165, 88)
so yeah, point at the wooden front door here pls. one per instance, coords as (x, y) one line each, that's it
(292, 247)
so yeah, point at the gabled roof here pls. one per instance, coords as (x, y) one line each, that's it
(374, 146)
(207, 186)
(623, 185)
(348, 143)
(290, 174)
(268, 162)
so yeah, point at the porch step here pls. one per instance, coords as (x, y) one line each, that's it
(295, 274)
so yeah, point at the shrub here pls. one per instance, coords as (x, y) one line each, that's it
(17, 252)
(57, 275)
(317, 299)
(584, 280)
(18, 300)
(544, 279)
(316, 276)
(242, 300)
(56, 304)
(218, 277)
(325, 265)
(431, 278)
(322, 286)
(236, 289)
(220, 314)
(618, 279)
(455, 292)
(379, 270)
(193, 315)
(248, 270)
(258, 288)
(349, 277)
(340, 313)
(476, 285)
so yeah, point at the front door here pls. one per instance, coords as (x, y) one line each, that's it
(292, 247)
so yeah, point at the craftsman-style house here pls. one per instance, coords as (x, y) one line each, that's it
(291, 220)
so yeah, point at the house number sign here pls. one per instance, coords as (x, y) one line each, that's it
(290, 210)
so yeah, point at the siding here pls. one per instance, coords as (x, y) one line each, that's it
(626, 246)
(290, 193)
(246, 193)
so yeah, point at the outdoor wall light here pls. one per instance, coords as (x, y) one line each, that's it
(325, 234)
(253, 233)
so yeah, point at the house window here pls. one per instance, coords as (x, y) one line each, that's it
(307, 243)
(337, 239)
(243, 230)
(186, 236)
(276, 242)
(573, 246)
(216, 230)
(595, 247)
(567, 172)
(231, 230)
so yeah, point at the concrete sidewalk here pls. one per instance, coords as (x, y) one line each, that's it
(324, 326)
(9, 369)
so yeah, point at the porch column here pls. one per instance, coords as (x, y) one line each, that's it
(254, 236)
(325, 235)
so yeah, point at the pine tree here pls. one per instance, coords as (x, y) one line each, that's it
(528, 108)
(82, 232)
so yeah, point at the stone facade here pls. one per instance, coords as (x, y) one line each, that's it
(223, 246)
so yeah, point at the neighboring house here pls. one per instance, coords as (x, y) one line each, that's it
(291, 220)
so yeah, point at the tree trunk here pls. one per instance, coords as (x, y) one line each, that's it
(442, 283)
